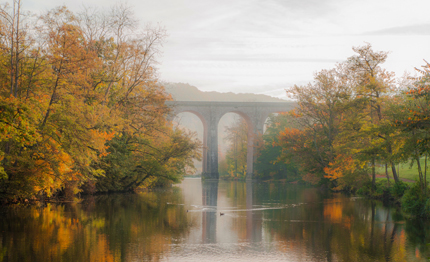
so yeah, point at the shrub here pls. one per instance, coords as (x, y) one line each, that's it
(398, 189)
(415, 201)
(378, 192)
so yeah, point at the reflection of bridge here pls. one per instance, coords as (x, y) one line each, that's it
(209, 219)
(254, 113)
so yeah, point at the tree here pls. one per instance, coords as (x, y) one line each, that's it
(345, 122)
(133, 161)
(372, 86)
(414, 122)
(237, 136)
(85, 81)
(15, 39)
(269, 163)
(318, 115)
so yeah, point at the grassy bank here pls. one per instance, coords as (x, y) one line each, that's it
(406, 172)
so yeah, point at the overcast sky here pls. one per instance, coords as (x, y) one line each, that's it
(265, 46)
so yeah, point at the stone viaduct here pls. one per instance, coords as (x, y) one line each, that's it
(254, 113)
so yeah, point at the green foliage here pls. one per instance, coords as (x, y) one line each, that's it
(417, 121)
(415, 201)
(371, 190)
(382, 189)
(129, 164)
(117, 166)
(351, 181)
(269, 164)
(399, 189)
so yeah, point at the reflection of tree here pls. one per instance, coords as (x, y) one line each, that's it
(341, 229)
(418, 235)
(326, 226)
(316, 224)
(112, 228)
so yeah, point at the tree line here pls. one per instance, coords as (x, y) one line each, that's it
(81, 107)
(356, 116)
(349, 121)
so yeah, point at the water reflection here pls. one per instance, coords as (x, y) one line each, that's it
(261, 221)
(102, 228)
(253, 218)
(209, 216)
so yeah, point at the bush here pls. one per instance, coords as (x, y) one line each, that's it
(427, 208)
(415, 201)
(398, 189)
(380, 190)
(364, 190)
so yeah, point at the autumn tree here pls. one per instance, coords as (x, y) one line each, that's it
(237, 136)
(16, 40)
(414, 124)
(63, 109)
(85, 79)
(318, 115)
(373, 86)
(345, 121)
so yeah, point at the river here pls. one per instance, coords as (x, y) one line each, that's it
(213, 221)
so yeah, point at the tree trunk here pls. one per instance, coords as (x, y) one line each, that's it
(386, 173)
(54, 92)
(420, 173)
(17, 42)
(393, 165)
(395, 176)
(12, 46)
(373, 174)
(425, 173)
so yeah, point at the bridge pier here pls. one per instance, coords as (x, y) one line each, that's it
(211, 171)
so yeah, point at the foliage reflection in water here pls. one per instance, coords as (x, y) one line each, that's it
(260, 221)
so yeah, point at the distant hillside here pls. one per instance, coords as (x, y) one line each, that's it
(186, 92)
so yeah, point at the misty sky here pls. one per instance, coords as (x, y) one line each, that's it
(266, 46)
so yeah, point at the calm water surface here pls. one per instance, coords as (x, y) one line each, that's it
(260, 222)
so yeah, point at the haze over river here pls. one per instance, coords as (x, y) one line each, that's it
(214, 221)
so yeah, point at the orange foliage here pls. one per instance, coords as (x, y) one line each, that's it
(290, 133)
(341, 166)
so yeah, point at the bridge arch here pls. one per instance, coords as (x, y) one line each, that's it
(210, 113)
(250, 139)
(205, 133)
